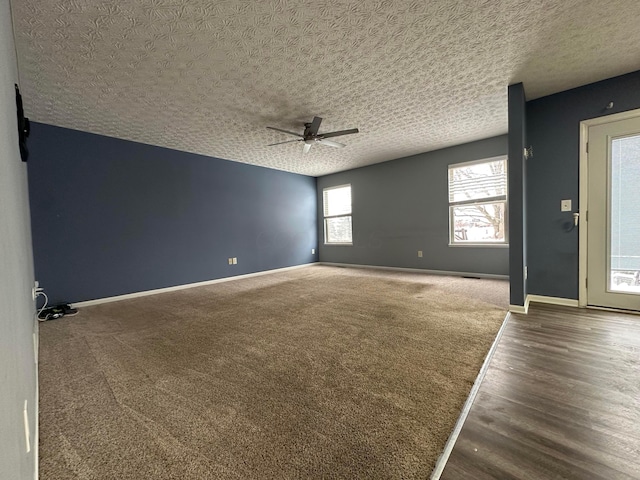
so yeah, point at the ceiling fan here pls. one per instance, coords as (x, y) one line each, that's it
(311, 135)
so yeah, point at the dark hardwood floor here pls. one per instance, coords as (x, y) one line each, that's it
(560, 400)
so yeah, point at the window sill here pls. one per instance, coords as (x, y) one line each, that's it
(480, 245)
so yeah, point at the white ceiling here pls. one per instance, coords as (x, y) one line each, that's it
(209, 76)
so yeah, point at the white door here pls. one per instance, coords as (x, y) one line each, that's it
(613, 223)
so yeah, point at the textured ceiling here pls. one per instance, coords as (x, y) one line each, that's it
(209, 76)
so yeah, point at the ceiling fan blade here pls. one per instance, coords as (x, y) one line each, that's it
(339, 133)
(307, 147)
(331, 143)
(285, 131)
(314, 126)
(288, 141)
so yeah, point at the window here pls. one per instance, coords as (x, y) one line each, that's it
(337, 215)
(478, 202)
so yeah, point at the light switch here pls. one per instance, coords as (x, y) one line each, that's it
(565, 205)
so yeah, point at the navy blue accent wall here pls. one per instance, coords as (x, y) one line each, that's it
(111, 217)
(553, 174)
(517, 199)
(402, 206)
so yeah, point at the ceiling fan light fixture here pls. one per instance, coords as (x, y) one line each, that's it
(311, 135)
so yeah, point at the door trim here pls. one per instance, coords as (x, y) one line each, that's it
(584, 195)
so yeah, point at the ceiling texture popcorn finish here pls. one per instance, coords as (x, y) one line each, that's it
(209, 76)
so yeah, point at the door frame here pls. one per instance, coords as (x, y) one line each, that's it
(584, 195)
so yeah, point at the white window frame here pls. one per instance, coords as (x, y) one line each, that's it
(325, 216)
(479, 201)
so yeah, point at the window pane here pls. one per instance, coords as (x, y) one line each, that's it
(337, 201)
(479, 223)
(477, 181)
(624, 238)
(338, 229)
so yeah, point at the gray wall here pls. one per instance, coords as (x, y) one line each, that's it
(401, 206)
(17, 313)
(553, 174)
(111, 217)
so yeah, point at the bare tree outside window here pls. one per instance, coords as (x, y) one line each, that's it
(477, 202)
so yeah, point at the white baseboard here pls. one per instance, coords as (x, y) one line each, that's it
(564, 302)
(519, 308)
(419, 270)
(145, 293)
(448, 448)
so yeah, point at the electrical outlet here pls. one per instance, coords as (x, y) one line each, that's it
(419, 253)
(313, 251)
(230, 261)
(235, 261)
(34, 290)
(526, 272)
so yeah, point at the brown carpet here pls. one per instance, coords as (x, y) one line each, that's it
(318, 372)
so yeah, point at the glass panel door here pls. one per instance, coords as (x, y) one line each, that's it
(613, 216)
(624, 214)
